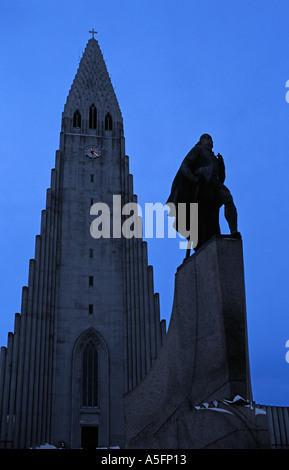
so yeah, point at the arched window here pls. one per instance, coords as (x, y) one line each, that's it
(90, 375)
(92, 117)
(108, 122)
(77, 119)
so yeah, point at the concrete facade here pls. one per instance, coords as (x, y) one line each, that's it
(89, 327)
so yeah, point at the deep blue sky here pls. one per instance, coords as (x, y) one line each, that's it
(179, 69)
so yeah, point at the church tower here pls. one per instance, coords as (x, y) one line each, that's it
(89, 328)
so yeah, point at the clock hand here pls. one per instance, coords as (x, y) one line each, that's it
(92, 151)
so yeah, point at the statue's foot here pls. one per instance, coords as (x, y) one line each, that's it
(236, 235)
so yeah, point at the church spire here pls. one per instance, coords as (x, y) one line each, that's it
(91, 87)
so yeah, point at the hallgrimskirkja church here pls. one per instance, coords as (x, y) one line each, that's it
(90, 363)
(89, 327)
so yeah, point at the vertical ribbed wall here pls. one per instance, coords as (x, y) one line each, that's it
(26, 365)
(144, 330)
(27, 362)
(278, 420)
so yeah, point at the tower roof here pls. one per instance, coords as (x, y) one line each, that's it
(92, 84)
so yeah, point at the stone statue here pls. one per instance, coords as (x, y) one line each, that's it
(200, 179)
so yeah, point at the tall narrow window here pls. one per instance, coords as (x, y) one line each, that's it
(90, 375)
(90, 280)
(108, 122)
(77, 119)
(92, 117)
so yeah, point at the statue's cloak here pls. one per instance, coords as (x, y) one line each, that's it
(195, 182)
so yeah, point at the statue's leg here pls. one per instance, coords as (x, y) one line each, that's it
(230, 211)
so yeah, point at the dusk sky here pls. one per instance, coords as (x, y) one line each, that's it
(179, 69)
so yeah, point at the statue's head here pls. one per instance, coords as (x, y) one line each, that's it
(206, 140)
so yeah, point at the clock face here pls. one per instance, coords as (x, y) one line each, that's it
(92, 151)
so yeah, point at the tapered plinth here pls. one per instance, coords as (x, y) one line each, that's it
(204, 358)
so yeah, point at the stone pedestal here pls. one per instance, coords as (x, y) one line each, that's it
(190, 398)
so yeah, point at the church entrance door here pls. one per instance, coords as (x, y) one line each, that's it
(89, 437)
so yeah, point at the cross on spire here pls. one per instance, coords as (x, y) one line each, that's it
(92, 32)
